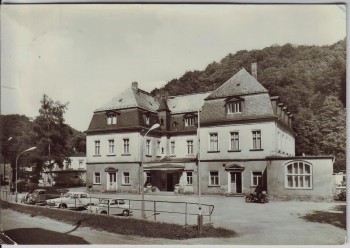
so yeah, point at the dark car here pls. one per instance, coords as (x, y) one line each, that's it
(40, 196)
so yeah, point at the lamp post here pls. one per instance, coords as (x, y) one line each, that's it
(10, 138)
(29, 149)
(142, 176)
(200, 217)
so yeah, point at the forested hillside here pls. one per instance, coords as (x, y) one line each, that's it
(310, 80)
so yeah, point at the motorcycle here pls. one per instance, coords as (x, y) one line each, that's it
(342, 195)
(256, 197)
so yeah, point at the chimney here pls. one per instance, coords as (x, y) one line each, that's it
(255, 70)
(134, 86)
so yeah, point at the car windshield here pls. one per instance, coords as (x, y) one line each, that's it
(67, 195)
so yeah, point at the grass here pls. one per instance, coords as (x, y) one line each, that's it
(126, 226)
(333, 218)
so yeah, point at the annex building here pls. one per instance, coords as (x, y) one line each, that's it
(237, 136)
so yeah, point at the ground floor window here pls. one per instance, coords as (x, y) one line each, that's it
(189, 177)
(214, 178)
(126, 178)
(298, 175)
(97, 178)
(148, 178)
(256, 178)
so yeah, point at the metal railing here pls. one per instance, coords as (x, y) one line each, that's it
(167, 211)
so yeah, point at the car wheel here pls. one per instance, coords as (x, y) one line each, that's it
(248, 199)
(63, 206)
(126, 213)
(104, 212)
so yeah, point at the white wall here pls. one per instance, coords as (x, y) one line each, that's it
(134, 144)
(245, 140)
(181, 145)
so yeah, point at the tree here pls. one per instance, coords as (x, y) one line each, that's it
(332, 128)
(51, 135)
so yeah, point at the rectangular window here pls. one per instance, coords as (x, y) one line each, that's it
(234, 107)
(111, 146)
(234, 141)
(256, 178)
(126, 146)
(189, 147)
(190, 121)
(214, 178)
(80, 163)
(148, 178)
(97, 147)
(126, 178)
(189, 177)
(213, 139)
(68, 165)
(111, 119)
(172, 147)
(97, 178)
(147, 120)
(158, 147)
(148, 147)
(256, 140)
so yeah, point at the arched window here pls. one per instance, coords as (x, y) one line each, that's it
(298, 175)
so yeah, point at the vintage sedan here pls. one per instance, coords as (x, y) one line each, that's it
(113, 207)
(71, 200)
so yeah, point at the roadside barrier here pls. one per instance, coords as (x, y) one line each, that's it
(156, 210)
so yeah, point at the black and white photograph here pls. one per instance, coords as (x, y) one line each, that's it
(173, 123)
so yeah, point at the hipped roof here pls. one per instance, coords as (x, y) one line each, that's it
(242, 83)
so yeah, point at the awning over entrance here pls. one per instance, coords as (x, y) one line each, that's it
(164, 167)
(111, 169)
(234, 168)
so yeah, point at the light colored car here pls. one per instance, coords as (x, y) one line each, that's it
(71, 200)
(113, 207)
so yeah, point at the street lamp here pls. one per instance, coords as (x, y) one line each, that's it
(10, 138)
(142, 176)
(200, 216)
(29, 149)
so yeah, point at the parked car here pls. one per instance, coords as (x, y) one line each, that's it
(113, 207)
(71, 200)
(40, 196)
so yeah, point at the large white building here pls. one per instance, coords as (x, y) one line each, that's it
(245, 140)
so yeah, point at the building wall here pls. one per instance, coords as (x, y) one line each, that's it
(118, 156)
(223, 188)
(322, 170)
(181, 146)
(132, 168)
(245, 140)
(285, 142)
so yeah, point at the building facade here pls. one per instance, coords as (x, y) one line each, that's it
(232, 140)
(73, 172)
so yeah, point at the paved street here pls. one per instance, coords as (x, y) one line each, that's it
(272, 223)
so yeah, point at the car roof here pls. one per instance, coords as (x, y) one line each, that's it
(71, 192)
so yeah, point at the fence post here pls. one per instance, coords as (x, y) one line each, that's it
(90, 204)
(209, 214)
(108, 207)
(129, 208)
(154, 211)
(186, 215)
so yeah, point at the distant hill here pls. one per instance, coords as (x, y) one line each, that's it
(310, 80)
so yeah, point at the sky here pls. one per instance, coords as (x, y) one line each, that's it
(88, 54)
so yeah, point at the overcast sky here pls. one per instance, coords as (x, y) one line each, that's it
(87, 54)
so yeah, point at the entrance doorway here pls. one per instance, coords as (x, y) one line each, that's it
(111, 181)
(235, 182)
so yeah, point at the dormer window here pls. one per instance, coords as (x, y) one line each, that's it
(147, 120)
(234, 105)
(111, 118)
(190, 120)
